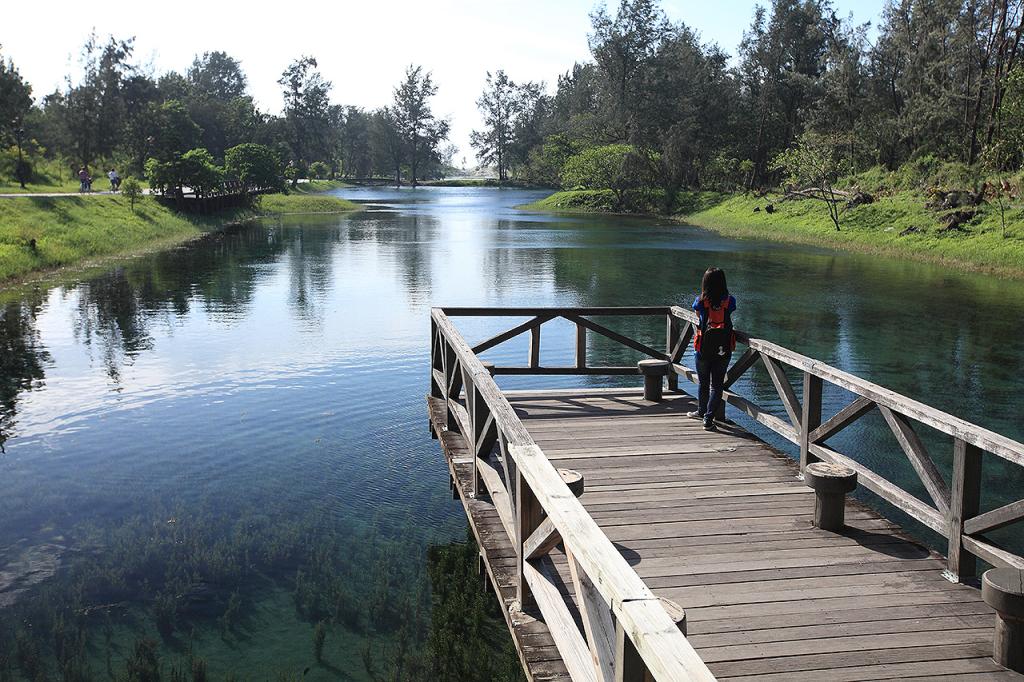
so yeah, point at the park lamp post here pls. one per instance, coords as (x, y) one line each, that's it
(19, 135)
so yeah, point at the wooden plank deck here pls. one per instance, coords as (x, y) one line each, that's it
(720, 524)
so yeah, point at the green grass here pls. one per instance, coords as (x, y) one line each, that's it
(71, 230)
(53, 175)
(575, 201)
(872, 228)
(877, 228)
(306, 198)
(318, 186)
(75, 230)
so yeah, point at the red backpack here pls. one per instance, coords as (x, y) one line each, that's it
(715, 335)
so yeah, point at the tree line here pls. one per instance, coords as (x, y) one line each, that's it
(116, 113)
(938, 80)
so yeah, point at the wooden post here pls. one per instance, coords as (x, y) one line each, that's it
(485, 434)
(453, 385)
(481, 568)
(581, 346)
(573, 479)
(672, 336)
(477, 409)
(830, 482)
(436, 363)
(675, 612)
(535, 346)
(529, 515)
(965, 500)
(810, 417)
(629, 666)
(1003, 590)
(653, 372)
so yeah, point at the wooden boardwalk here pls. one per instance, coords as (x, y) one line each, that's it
(717, 522)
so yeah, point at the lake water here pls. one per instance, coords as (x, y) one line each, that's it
(217, 446)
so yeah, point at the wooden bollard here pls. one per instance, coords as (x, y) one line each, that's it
(675, 612)
(573, 479)
(1003, 590)
(630, 667)
(830, 482)
(654, 372)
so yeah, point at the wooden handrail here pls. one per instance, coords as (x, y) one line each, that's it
(956, 427)
(955, 512)
(540, 494)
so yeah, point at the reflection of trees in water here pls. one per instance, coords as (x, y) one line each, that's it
(110, 315)
(22, 358)
(309, 269)
(510, 270)
(115, 310)
(410, 239)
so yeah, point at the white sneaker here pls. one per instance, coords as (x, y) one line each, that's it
(695, 415)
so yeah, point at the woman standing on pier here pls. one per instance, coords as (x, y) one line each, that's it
(713, 343)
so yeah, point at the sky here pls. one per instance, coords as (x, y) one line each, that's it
(362, 47)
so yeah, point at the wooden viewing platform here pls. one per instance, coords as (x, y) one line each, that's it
(718, 523)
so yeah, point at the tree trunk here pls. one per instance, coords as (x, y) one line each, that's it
(975, 118)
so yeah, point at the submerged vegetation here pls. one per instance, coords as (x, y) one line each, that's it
(183, 582)
(172, 573)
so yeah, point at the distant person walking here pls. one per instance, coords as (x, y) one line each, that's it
(84, 180)
(713, 344)
(115, 180)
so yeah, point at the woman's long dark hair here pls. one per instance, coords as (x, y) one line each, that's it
(713, 286)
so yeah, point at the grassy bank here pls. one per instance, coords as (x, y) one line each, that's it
(41, 233)
(306, 197)
(897, 224)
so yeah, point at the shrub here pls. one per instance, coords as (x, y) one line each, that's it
(131, 189)
(547, 161)
(292, 174)
(255, 165)
(199, 172)
(617, 167)
(194, 169)
(319, 170)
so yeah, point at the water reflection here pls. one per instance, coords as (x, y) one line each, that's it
(22, 358)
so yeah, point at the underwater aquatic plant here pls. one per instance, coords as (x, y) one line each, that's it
(319, 637)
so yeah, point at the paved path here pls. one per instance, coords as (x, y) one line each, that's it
(33, 195)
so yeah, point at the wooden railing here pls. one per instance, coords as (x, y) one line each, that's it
(627, 633)
(952, 510)
(625, 626)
